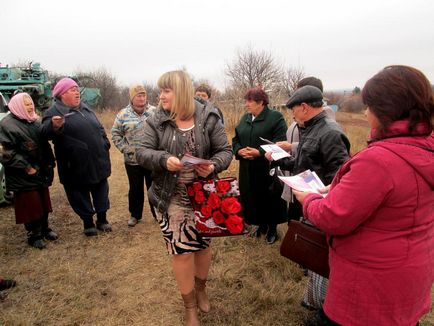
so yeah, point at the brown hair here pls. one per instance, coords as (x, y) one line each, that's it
(400, 93)
(312, 81)
(257, 94)
(204, 88)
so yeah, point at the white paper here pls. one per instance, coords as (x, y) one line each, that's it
(276, 152)
(189, 160)
(306, 181)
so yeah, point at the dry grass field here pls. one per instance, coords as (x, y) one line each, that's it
(124, 277)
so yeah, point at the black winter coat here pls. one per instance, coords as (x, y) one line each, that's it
(81, 145)
(22, 147)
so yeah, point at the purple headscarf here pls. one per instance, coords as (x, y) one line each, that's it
(63, 85)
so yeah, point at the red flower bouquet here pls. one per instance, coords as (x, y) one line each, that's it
(217, 207)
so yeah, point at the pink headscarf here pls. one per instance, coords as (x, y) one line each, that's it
(16, 106)
(63, 85)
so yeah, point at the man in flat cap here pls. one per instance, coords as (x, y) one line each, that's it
(323, 148)
(124, 132)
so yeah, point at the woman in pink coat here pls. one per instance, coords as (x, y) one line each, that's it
(379, 213)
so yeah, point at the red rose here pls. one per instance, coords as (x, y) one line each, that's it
(223, 186)
(199, 197)
(214, 200)
(197, 186)
(230, 206)
(234, 224)
(218, 217)
(206, 210)
(190, 191)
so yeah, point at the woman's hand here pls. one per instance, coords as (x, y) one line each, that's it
(204, 170)
(173, 164)
(300, 195)
(249, 153)
(325, 190)
(31, 171)
(57, 122)
(286, 146)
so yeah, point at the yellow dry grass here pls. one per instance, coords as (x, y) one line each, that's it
(124, 278)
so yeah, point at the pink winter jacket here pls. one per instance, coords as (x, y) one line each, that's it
(379, 216)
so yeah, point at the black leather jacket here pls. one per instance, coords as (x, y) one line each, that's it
(323, 148)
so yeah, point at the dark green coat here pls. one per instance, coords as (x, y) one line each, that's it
(260, 207)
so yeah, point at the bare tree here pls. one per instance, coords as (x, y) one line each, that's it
(153, 93)
(290, 79)
(110, 92)
(252, 68)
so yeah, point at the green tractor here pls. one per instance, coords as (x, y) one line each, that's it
(36, 82)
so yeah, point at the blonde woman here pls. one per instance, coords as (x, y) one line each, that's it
(182, 125)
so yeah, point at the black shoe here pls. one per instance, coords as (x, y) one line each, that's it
(50, 235)
(38, 243)
(104, 226)
(271, 237)
(90, 232)
(7, 284)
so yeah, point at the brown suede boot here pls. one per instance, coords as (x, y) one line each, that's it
(190, 305)
(202, 298)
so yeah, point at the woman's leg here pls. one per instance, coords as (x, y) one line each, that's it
(202, 262)
(184, 270)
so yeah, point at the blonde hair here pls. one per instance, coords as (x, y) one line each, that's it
(181, 85)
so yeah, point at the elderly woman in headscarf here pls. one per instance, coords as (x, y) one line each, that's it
(29, 163)
(82, 153)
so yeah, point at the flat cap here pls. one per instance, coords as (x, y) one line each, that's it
(305, 94)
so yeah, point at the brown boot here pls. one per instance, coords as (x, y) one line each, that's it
(190, 305)
(202, 298)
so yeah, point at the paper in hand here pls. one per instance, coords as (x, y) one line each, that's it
(189, 160)
(276, 152)
(306, 181)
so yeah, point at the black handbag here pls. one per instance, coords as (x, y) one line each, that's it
(307, 246)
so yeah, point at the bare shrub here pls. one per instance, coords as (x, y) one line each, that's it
(352, 103)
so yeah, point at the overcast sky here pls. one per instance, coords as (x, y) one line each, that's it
(342, 42)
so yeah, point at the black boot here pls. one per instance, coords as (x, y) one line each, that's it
(34, 239)
(89, 226)
(48, 233)
(101, 222)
